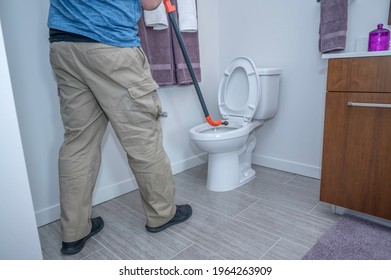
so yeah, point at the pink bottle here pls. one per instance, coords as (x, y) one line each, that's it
(379, 39)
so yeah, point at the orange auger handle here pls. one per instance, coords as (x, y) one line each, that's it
(169, 7)
(215, 123)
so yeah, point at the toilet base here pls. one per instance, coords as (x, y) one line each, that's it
(225, 174)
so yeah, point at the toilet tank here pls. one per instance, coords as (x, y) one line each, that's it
(269, 79)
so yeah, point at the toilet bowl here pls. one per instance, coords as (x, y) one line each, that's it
(247, 97)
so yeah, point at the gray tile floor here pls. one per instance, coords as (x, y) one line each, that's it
(276, 216)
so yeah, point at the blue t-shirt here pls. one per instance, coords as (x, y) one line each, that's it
(111, 22)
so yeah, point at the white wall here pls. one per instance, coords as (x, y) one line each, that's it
(285, 34)
(276, 33)
(18, 235)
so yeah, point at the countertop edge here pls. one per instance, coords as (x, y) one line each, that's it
(354, 54)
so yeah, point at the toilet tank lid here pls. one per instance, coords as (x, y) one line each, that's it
(269, 71)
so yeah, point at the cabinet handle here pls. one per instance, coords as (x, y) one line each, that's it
(372, 105)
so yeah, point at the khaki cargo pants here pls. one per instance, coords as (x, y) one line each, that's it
(98, 84)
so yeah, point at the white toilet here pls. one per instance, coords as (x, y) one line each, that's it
(247, 97)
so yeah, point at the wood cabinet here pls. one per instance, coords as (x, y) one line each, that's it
(356, 159)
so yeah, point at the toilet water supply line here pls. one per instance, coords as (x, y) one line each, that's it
(170, 9)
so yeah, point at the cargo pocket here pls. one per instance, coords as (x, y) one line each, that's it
(145, 99)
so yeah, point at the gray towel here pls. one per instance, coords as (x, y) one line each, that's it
(164, 54)
(333, 25)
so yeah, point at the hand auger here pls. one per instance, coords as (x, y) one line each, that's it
(169, 9)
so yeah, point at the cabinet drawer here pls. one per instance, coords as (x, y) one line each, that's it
(356, 159)
(365, 74)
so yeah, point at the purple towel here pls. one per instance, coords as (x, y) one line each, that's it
(164, 54)
(333, 25)
(192, 46)
(157, 45)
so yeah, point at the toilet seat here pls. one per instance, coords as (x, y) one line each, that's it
(239, 95)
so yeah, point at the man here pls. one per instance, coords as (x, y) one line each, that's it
(103, 76)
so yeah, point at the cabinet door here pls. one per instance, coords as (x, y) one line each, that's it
(356, 163)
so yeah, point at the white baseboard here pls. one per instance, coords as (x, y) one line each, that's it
(288, 166)
(181, 166)
(106, 193)
(103, 194)
(47, 215)
(52, 213)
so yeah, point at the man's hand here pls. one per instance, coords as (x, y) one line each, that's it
(150, 4)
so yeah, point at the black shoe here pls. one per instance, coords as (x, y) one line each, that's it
(76, 246)
(183, 212)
